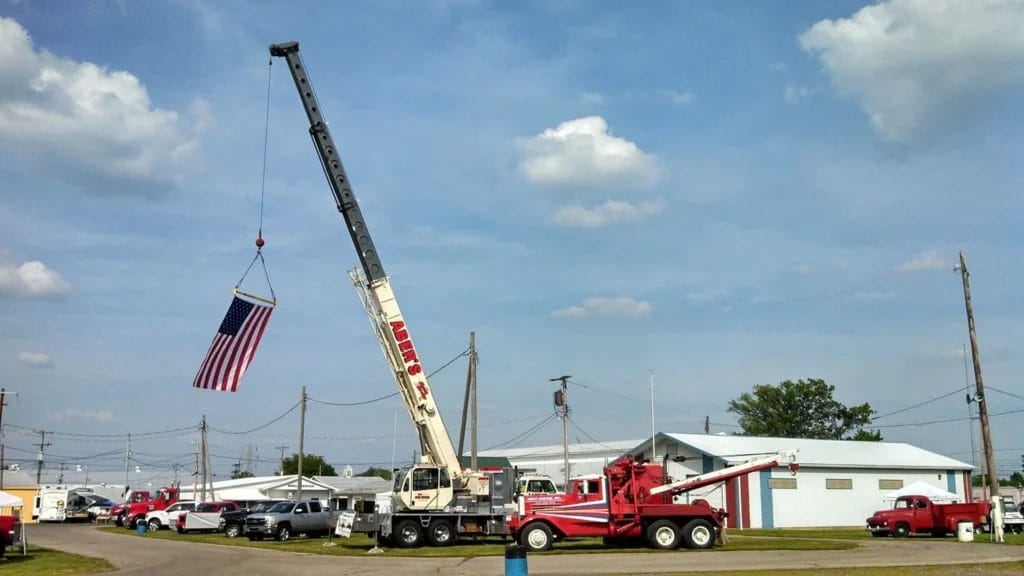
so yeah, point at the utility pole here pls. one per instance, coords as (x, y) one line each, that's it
(3, 395)
(302, 434)
(39, 463)
(127, 458)
(469, 405)
(654, 442)
(986, 433)
(281, 468)
(60, 473)
(202, 458)
(707, 424)
(562, 409)
(208, 467)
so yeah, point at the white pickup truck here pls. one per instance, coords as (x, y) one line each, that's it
(289, 518)
(167, 518)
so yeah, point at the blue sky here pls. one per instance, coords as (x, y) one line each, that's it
(726, 194)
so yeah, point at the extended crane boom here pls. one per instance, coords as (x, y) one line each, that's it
(783, 458)
(441, 472)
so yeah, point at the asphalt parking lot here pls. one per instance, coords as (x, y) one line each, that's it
(166, 558)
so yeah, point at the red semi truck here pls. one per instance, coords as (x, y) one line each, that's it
(632, 499)
(137, 511)
(919, 515)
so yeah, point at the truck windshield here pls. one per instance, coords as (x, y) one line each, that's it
(281, 507)
(1010, 506)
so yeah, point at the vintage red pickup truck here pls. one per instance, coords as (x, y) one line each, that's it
(919, 515)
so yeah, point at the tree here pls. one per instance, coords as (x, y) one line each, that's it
(379, 472)
(801, 409)
(312, 464)
(237, 472)
(1017, 479)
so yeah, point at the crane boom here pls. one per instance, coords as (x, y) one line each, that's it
(391, 327)
(783, 458)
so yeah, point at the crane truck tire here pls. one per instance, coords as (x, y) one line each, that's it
(663, 534)
(407, 534)
(699, 534)
(537, 537)
(441, 533)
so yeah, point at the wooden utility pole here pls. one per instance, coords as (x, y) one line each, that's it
(471, 381)
(3, 395)
(302, 434)
(39, 461)
(562, 409)
(986, 433)
(466, 398)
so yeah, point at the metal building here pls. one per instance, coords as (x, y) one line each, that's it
(839, 483)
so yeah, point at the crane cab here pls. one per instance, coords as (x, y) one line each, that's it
(423, 487)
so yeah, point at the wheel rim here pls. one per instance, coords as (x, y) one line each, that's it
(154, 526)
(409, 535)
(665, 536)
(701, 535)
(285, 534)
(233, 530)
(537, 539)
(443, 533)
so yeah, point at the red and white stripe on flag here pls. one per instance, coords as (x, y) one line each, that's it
(234, 346)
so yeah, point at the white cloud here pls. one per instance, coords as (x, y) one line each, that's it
(35, 359)
(925, 261)
(917, 66)
(31, 280)
(795, 94)
(86, 125)
(621, 306)
(606, 214)
(72, 414)
(584, 153)
(678, 98)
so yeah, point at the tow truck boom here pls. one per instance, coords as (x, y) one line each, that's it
(784, 457)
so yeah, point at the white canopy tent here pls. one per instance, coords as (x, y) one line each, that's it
(923, 489)
(12, 501)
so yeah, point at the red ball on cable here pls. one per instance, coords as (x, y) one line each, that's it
(259, 242)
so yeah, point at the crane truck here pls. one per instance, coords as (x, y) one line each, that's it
(436, 499)
(632, 499)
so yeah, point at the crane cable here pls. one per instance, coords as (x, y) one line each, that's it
(263, 187)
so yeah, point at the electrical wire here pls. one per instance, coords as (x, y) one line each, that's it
(262, 426)
(592, 439)
(919, 404)
(524, 435)
(393, 394)
(989, 387)
(946, 420)
(134, 435)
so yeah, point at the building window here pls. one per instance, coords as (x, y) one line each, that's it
(839, 483)
(890, 484)
(782, 483)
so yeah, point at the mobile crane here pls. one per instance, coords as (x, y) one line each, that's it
(436, 493)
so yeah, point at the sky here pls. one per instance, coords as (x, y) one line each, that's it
(691, 198)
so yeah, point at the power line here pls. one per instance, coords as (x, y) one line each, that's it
(260, 427)
(919, 404)
(524, 435)
(592, 439)
(990, 387)
(119, 436)
(945, 420)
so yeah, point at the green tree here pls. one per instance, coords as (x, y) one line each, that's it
(801, 409)
(1017, 479)
(379, 472)
(312, 465)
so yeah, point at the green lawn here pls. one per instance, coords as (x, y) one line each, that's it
(1001, 569)
(854, 534)
(360, 544)
(45, 562)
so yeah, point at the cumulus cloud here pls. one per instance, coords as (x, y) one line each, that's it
(87, 125)
(924, 262)
(917, 66)
(31, 280)
(621, 307)
(35, 359)
(71, 415)
(584, 153)
(606, 214)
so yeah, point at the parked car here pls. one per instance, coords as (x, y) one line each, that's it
(285, 519)
(233, 523)
(205, 517)
(168, 518)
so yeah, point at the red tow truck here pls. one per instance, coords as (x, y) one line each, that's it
(632, 499)
(919, 515)
(136, 512)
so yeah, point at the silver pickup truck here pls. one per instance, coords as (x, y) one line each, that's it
(289, 518)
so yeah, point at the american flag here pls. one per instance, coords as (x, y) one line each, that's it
(234, 346)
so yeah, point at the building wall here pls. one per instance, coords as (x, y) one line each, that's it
(28, 496)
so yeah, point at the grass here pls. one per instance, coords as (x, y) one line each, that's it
(359, 545)
(46, 562)
(854, 534)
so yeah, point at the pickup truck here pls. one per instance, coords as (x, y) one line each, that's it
(10, 532)
(233, 523)
(918, 514)
(288, 518)
(205, 517)
(168, 518)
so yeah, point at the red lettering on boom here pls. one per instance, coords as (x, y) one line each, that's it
(405, 346)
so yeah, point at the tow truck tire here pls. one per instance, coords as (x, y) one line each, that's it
(902, 530)
(154, 524)
(663, 535)
(283, 534)
(232, 530)
(441, 532)
(537, 537)
(407, 534)
(119, 521)
(699, 534)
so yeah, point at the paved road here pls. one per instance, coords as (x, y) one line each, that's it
(169, 558)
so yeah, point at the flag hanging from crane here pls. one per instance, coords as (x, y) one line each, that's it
(234, 345)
